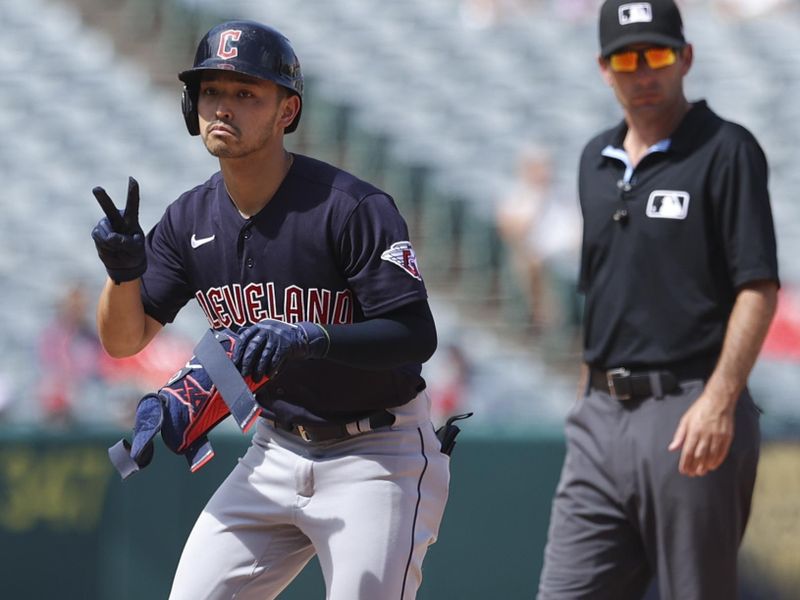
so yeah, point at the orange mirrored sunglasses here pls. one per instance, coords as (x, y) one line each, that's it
(627, 61)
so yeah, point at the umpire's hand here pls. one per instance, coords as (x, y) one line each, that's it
(119, 237)
(264, 347)
(704, 435)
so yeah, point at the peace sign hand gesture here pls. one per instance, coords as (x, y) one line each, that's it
(119, 237)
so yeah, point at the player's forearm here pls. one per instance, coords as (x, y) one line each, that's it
(747, 327)
(404, 336)
(122, 324)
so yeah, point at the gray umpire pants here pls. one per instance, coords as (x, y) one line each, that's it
(623, 513)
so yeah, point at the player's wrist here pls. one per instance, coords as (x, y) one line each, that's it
(316, 340)
(119, 276)
(124, 274)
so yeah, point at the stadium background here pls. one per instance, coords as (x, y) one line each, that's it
(435, 100)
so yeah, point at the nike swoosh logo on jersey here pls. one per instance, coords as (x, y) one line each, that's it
(197, 243)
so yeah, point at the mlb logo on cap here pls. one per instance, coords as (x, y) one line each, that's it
(635, 12)
(624, 23)
(667, 204)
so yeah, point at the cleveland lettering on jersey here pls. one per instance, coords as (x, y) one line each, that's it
(237, 305)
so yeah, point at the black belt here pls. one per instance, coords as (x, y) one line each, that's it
(636, 383)
(326, 432)
(622, 384)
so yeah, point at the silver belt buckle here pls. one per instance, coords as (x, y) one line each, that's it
(610, 375)
(303, 433)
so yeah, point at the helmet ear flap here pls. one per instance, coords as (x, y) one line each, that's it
(189, 107)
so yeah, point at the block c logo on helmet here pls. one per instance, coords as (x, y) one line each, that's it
(226, 50)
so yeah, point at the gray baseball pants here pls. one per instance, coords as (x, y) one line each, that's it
(623, 513)
(368, 506)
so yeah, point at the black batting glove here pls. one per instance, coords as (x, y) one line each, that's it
(264, 347)
(119, 237)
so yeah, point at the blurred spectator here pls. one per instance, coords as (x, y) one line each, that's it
(783, 338)
(69, 355)
(131, 378)
(80, 383)
(152, 367)
(449, 384)
(542, 230)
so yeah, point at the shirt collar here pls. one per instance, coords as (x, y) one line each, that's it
(621, 155)
(691, 125)
(679, 141)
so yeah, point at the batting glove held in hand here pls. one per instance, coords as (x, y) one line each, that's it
(119, 237)
(265, 346)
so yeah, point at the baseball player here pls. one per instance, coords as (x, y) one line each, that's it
(680, 276)
(314, 270)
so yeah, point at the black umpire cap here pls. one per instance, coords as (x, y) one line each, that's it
(623, 23)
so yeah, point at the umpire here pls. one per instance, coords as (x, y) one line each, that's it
(680, 275)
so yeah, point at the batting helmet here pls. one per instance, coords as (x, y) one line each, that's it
(245, 47)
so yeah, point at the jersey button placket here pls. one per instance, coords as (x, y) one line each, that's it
(245, 234)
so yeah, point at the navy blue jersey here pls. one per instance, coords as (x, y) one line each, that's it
(327, 248)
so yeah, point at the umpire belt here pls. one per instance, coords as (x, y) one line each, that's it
(326, 432)
(623, 385)
(634, 384)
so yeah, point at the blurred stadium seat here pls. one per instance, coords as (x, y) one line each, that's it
(401, 93)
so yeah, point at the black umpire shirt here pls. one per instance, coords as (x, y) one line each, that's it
(667, 245)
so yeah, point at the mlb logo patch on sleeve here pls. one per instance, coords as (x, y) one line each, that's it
(667, 204)
(402, 255)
